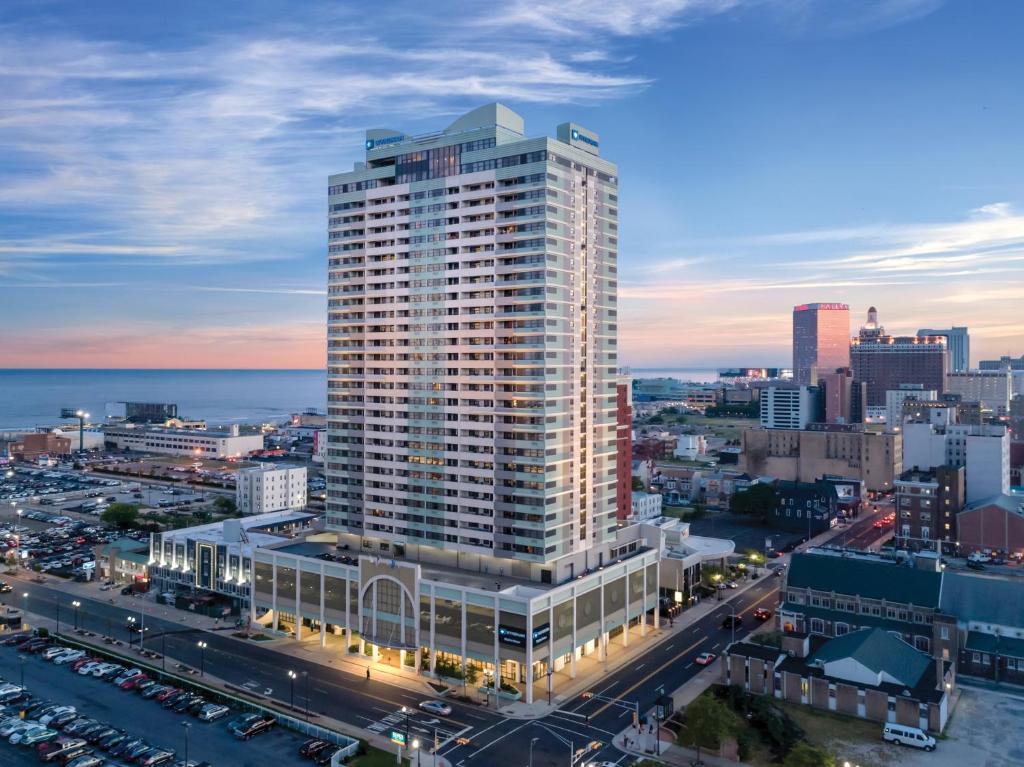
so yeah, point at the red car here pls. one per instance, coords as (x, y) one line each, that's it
(762, 613)
(135, 681)
(705, 659)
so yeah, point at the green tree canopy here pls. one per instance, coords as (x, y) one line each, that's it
(803, 754)
(224, 504)
(758, 500)
(124, 516)
(707, 722)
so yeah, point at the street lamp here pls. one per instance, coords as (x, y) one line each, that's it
(76, 604)
(202, 656)
(291, 682)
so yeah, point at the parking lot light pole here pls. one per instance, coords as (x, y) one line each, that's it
(76, 604)
(188, 730)
(202, 656)
(305, 679)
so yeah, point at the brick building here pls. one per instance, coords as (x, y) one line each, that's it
(995, 524)
(868, 673)
(833, 593)
(842, 450)
(33, 446)
(927, 504)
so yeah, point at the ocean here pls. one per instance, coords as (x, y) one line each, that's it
(30, 398)
(35, 397)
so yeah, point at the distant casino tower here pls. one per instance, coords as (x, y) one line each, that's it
(821, 340)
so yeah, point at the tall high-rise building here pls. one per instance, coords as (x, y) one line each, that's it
(821, 340)
(883, 362)
(958, 345)
(471, 334)
(624, 446)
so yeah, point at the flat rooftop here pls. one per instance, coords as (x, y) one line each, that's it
(496, 581)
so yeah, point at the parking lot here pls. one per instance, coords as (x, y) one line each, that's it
(101, 700)
(747, 534)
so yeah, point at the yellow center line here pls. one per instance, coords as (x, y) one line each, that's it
(650, 676)
(769, 595)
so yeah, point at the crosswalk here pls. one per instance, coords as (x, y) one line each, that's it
(434, 731)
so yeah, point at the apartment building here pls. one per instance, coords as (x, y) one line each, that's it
(790, 407)
(471, 455)
(927, 504)
(270, 487)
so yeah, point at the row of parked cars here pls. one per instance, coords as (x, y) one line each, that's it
(62, 734)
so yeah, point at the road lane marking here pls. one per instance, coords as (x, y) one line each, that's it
(653, 674)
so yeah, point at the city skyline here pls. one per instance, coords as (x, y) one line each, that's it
(166, 208)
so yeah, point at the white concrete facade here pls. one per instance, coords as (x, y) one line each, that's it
(984, 451)
(471, 342)
(787, 407)
(894, 399)
(689, 446)
(645, 506)
(269, 487)
(199, 444)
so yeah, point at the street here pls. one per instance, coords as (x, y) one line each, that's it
(581, 720)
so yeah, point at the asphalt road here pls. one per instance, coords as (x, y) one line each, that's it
(350, 698)
(583, 720)
(376, 705)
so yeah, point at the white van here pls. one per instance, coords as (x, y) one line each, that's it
(902, 735)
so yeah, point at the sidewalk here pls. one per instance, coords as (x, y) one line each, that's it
(644, 746)
(621, 657)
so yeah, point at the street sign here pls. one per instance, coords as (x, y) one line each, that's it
(397, 736)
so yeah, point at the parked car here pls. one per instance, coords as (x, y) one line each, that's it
(85, 760)
(212, 711)
(312, 747)
(250, 725)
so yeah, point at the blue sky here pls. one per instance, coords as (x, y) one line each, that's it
(163, 165)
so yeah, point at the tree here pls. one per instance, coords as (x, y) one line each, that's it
(707, 722)
(804, 754)
(224, 504)
(758, 500)
(124, 516)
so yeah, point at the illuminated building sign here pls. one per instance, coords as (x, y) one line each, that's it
(822, 307)
(516, 637)
(373, 143)
(577, 136)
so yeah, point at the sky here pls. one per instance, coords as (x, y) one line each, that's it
(163, 166)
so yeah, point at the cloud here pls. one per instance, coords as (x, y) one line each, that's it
(276, 291)
(580, 18)
(217, 150)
